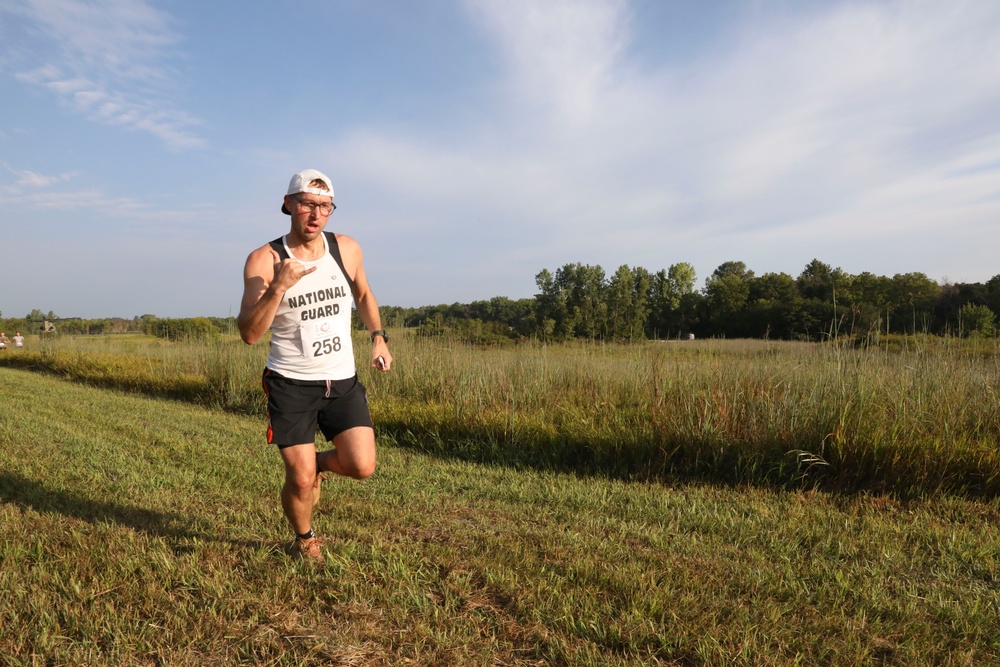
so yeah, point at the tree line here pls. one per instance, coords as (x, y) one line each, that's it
(168, 328)
(582, 301)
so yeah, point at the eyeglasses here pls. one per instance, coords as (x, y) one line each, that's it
(311, 206)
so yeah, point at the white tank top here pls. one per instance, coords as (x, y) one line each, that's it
(311, 331)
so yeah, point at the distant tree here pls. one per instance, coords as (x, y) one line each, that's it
(550, 308)
(726, 293)
(816, 281)
(870, 299)
(517, 318)
(771, 304)
(620, 300)
(871, 289)
(773, 287)
(98, 326)
(641, 281)
(583, 286)
(993, 294)
(911, 299)
(977, 320)
(688, 316)
(682, 281)
(667, 291)
(660, 306)
(732, 268)
(181, 328)
(949, 302)
(843, 287)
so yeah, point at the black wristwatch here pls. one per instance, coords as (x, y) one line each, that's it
(382, 333)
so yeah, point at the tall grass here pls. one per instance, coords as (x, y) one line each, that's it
(136, 531)
(909, 416)
(740, 411)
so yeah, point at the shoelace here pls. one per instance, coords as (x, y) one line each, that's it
(308, 545)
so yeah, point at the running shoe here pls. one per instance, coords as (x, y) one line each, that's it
(308, 550)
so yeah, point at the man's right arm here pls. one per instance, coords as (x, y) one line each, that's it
(260, 302)
(266, 278)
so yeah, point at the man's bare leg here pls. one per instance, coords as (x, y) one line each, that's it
(353, 453)
(297, 493)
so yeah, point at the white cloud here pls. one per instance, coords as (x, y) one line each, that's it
(560, 55)
(47, 192)
(859, 98)
(122, 38)
(810, 129)
(832, 129)
(28, 182)
(30, 179)
(106, 60)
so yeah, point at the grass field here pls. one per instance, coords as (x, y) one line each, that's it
(140, 529)
(909, 417)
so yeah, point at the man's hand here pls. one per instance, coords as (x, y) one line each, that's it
(287, 272)
(262, 294)
(381, 359)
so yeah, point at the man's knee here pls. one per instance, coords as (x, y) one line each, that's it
(356, 452)
(300, 480)
(360, 470)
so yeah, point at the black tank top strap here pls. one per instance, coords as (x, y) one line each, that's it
(331, 242)
(279, 247)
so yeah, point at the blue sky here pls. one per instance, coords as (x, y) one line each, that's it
(145, 144)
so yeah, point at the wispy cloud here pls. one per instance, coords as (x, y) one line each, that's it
(49, 192)
(848, 113)
(560, 56)
(29, 182)
(106, 60)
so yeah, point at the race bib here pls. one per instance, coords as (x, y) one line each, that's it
(318, 338)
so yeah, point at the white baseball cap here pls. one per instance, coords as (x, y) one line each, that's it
(300, 183)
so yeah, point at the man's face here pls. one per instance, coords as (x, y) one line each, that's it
(309, 214)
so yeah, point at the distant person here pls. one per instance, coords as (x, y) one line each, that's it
(18, 339)
(300, 286)
(3, 341)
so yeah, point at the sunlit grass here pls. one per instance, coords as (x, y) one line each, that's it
(139, 531)
(911, 416)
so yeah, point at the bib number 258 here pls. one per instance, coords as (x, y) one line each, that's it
(326, 346)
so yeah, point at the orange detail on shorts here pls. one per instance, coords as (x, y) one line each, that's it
(270, 431)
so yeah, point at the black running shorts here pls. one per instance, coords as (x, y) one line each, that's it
(295, 408)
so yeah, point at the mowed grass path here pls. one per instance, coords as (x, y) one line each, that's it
(136, 531)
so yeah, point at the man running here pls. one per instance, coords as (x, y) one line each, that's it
(300, 286)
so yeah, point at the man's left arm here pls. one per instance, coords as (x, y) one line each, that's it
(367, 307)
